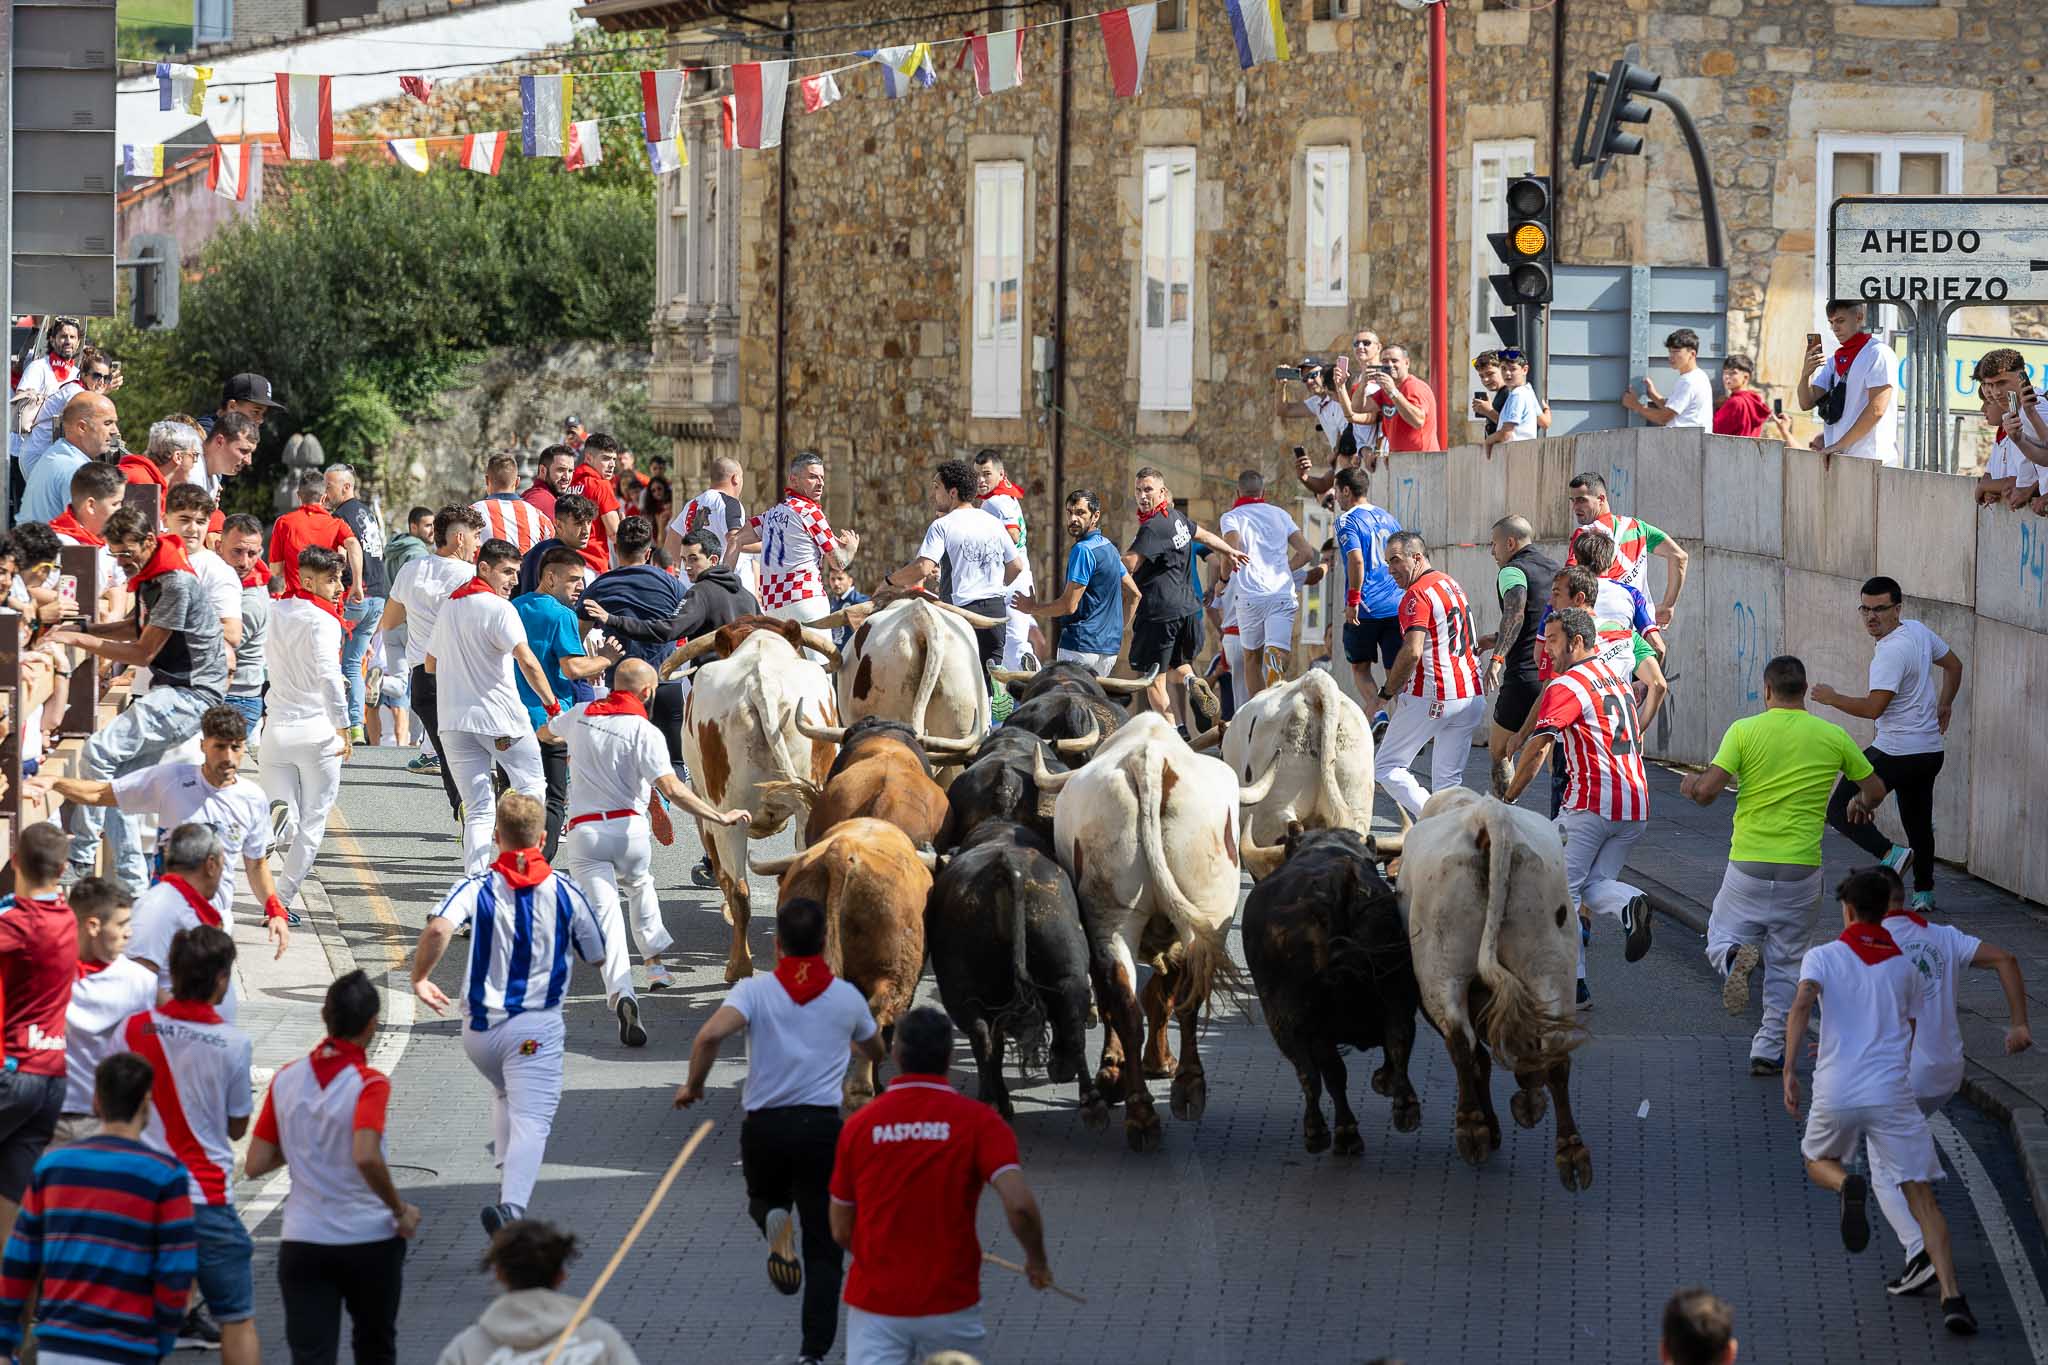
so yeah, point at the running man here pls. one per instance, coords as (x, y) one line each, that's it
(1436, 675)
(1093, 611)
(1166, 629)
(1635, 542)
(307, 739)
(38, 966)
(111, 986)
(972, 552)
(796, 543)
(418, 594)
(1004, 501)
(1266, 601)
(1372, 599)
(1512, 675)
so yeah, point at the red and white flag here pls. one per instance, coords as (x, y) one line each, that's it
(305, 116)
(483, 152)
(420, 88)
(754, 108)
(660, 94)
(584, 147)
(1127, 34)
(228, 175)
(818, 91)
(998, 60)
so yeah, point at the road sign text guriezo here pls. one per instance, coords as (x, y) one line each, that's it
(1932, 250)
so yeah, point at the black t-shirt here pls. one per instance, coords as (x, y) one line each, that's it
(370, 532)
(1162, 546)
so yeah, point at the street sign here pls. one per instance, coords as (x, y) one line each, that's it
(1922, 250)
(1963, 354)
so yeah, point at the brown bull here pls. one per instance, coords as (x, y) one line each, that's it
(881, 773)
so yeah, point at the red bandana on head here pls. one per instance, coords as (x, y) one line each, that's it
(616, 704)
(1870, 942)
(66, 523)
(170, 557)
(471, 589)
(523, 869)
(805, 978)
(1846, 356)
(301, 595)
(201, 906)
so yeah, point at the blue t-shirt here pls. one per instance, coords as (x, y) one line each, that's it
(1365, 528)
(1097, 625)
(1519, 406)
(553, 635)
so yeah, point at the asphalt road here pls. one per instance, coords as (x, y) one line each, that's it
(1231, 1243)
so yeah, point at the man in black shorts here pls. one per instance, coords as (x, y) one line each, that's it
(1523, 587)
(1167, 628)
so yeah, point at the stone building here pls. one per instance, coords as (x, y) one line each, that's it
(888, 286)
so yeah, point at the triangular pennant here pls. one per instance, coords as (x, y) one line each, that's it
(585, 147)
(228, 175)
(483, 152)
(998, 60)
(411, 152)
(661, 92)
(544, 103)
(1127, 35)
(420, 88)
(305, 116)
(818, 91)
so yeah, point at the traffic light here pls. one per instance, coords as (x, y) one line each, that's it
(1618, 105)
(1526, 249)
(153, 300)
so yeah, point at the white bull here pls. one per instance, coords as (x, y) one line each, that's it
(745, 752)
(916, 661)
(1304, 752)
(1148, 831)
(1491, 929)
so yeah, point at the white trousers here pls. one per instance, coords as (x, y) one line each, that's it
(608, 860)
(877, 1339)
(806, 610)
(1101, 665)
(1016, 638)
(1414, 722)
(1233, 654)
(1267, 624)
(526, 1087)
(1891, 1200)
(470, 758)
(1595, 848)
(1776, 916)
(302, 768)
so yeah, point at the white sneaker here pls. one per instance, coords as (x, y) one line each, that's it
(659, 978)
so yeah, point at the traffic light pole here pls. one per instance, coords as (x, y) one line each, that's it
(1710, 208)
(1439, 228)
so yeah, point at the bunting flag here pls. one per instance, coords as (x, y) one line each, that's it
(305, 116)
(1260, 31)
(998, 60)
(585, 148)
(144, 161)
(1127, 34)
(754, 109)
(228, 176)
(483, 152)
(903, 66)
(420, 88)
(182, 87)
(660, 94)
(544, 114)
(818, 91)
(411, 152)
(667, 155)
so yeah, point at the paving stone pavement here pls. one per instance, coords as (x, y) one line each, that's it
(1231, 1244)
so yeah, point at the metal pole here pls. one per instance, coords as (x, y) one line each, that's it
(1710, 208)
(1056, 520)
(7, 235)
(1439, 229)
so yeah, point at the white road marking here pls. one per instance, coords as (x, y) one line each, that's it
(2020, 1281)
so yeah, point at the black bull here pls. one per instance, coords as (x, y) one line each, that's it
(1329, 954)
(999, 785)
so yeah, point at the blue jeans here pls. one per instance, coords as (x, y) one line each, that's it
(250, 704)
(360, 621)
(226, 1280)
(153, 724)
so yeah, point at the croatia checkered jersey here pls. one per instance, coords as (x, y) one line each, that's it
(525, 919)
(1591, 711)
(1633, 543)
(795, 541)
(513, 519)
(1449, 668)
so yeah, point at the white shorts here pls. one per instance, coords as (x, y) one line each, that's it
(1267, 624)
(1101, 665)
(1901, 1143)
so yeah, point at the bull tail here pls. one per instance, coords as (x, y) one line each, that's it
(1152, 837)
(1023, 1019)
(928, 680)
(799, 792)
(1516, 1025)
(1336, 806)
(1207, 974)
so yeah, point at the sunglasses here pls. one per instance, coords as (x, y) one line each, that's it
(101, 376)
(1362, 342)
(1510, 356)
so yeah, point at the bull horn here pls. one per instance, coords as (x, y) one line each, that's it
(1008, 676)
(1210, 737)
(975, 619)
(1046, 778)
(832, 622)
(948, 744)
(1259, 791)
(821, 642)
(929, 858)
(829, 734)
(1124, 687)
(1081, 744)
(695, 649)
(950, 759)
(1385, 845)
(771, 867)
(1262, 860)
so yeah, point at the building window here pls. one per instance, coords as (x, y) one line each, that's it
(1493, 165)
(1852, 163)
(1170, 16)
(1335, 9)
(1166, 323)
(998, 360)
(1328, 252)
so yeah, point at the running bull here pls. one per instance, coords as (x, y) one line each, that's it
(881, 772)
(1304, 752)
(915, 660)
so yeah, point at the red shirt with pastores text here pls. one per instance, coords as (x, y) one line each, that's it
(38, 964)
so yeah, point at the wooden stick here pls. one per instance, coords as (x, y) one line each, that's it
(996, 1260)
(675, 1169)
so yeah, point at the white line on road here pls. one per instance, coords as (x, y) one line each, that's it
(2020, 1280)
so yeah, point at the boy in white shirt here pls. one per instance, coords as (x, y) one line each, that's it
(1520, 413)
(1862, 1093)
(1857, 391)
(110, 988)
(1264, 588)
(306, 738)
(1692, 397)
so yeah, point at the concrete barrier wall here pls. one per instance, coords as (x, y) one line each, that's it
(1778, 548)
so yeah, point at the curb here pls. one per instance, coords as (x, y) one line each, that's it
(2023, 1117)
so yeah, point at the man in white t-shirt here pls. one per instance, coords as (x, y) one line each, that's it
(717, 509)
(306, 739)
(800, 1023)
(417, 596)
(1002, 499)
(195, 866)
(1856, 391)
(111, 986)
(1692, 397)
(478, 640)
(187, 510)
(1520, 413)
(1911, 707)
(1871, 996)
(970, 552)
(1265, 600)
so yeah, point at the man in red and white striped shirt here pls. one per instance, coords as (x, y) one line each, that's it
(1588, 707)
(506, 515)
(1436, 675)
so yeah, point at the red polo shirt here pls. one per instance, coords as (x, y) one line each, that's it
(912, 1164)
(300, 528)
(38, 964)
(1400, 435)
(597, 551)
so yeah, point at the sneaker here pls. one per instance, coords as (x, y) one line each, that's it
(495, 1216)
(355, 735)
(1767, 1066)
(630, 1031)
(428, 764)
(1855, 1214)
(1921, 903)
(373, 681)
(1585, 930)
(1585, 996)
(1918, 1274)
(1635, 917)
(280, 824)
(1027, 662)
(293, 919)
(659, 978)
(1899, 860)
(199, 1331)
(1735, 990)
(1957, 1317)
(702, 875)
(1379, 728)
(785, 1271)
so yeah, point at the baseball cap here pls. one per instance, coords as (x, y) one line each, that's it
(249, 388)
(568, 422)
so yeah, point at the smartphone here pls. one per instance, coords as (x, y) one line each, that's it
(1479, 395)
(1285, 373)
(2012, 405)
(67, 591)
(1777, 407)
(1812, 341)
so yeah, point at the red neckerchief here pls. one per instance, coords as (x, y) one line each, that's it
(62, 369)
(334, 1056)
(170, 557)
(141, 465)
(201, 906)
(192, 1011)
(1006, 487)
(805, 978)
(523, 869)
(1846, 356)
(1144, 517)
(258, 577)
(87, 968)
(1243, 501)
(471, 589)
(1904, 913)
(1869, 942)
(301, 595)
(791, 495)
(66, 523)
(616, 703)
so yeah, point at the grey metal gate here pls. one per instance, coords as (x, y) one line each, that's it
(1607, 329)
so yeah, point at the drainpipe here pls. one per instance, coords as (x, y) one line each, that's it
(1059, 303)
(1556, 116)
(782, 268)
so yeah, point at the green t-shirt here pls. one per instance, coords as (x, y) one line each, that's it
(1787, 761)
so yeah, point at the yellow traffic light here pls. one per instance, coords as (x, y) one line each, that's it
(1530, 239)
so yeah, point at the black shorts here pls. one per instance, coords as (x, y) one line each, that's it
(1165, 644)
(989, 639)
(1512, 704)
(1372, 635)
(29, 1109)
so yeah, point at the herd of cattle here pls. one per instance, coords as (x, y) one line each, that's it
(1037, 866)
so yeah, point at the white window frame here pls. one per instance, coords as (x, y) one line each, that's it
(997, 377)
(1489, 213)
(1166, 348)
(1328, 233)
(1887, 147)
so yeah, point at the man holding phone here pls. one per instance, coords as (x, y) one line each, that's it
(1856, 392)
(1744, 412)
(1407, 407)
(2022, 419)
